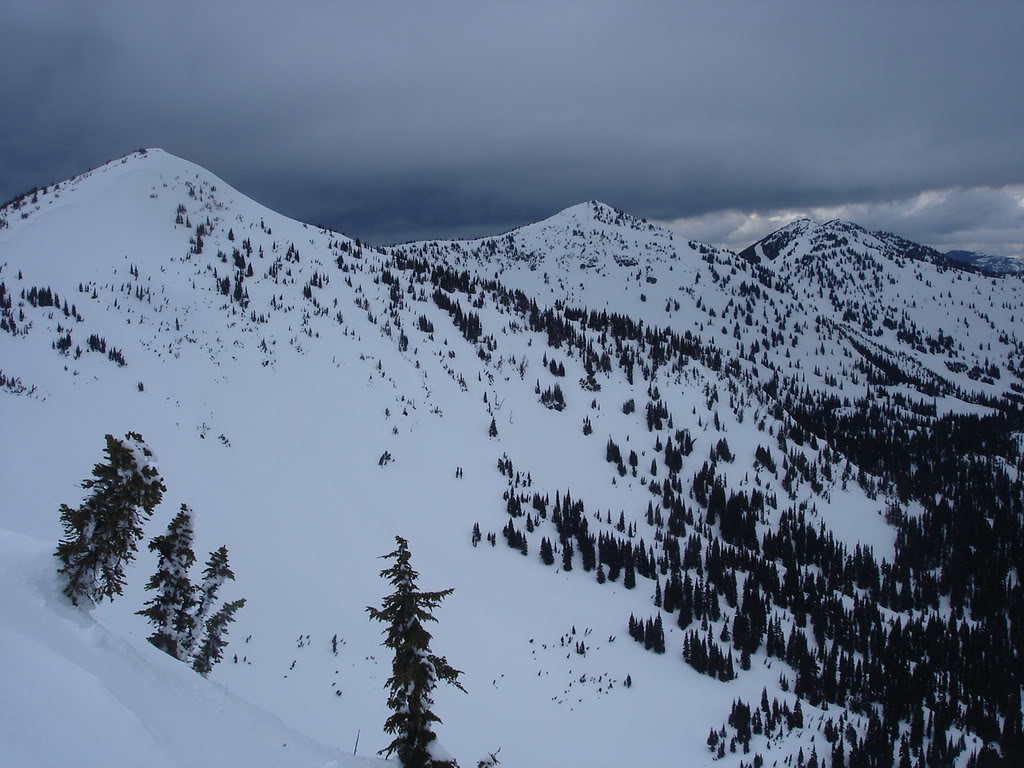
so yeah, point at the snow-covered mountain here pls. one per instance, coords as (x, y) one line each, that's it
(756, 449)
(997, 265)
(805, 297)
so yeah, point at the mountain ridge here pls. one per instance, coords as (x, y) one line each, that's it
(797, 417)
(987, 262)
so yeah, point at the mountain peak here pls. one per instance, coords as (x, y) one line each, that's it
(805, 236)
(770, 246)
(595, 210)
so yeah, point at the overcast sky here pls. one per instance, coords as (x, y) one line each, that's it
(401, 120)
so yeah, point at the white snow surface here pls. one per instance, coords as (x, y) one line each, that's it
(76, 693)
(271, 430)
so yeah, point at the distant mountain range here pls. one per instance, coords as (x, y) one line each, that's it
(997, 265)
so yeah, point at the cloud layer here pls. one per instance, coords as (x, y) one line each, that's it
(402, 120)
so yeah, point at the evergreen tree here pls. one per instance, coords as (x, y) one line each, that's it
(658, 635)
(211, 650)
(100, 537)
(629, 580)
(547, 554)
(217, 571)
(415, 671)
(567, 552)
(179, 610)
(170, 609)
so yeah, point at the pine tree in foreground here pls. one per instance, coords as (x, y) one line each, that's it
(415, 670)
(100, 537)
(179, 610)
(170, 609)
(216, 572)
(211, 645)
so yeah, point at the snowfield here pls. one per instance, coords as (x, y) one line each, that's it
(271, 404)
(79, 694)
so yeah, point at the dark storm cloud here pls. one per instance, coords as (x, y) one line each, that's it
(410, 119)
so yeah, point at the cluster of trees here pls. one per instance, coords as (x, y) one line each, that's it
(101, 538)
(707, 657)
(650, 633)
(7, 321)
(767, 719)
(37, 297)
(961, 470)
(185, 625)
(468, 323)
(552, 397)
(556, 368)
(515, 538)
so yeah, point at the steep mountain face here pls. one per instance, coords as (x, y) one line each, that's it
(815, 299)
(587, 253)
(996, 265)
(770, 246)
(742, 494)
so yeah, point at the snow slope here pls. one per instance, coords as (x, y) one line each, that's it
(826, 287)
(77, 693)
(271, 397)
(294, 487)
